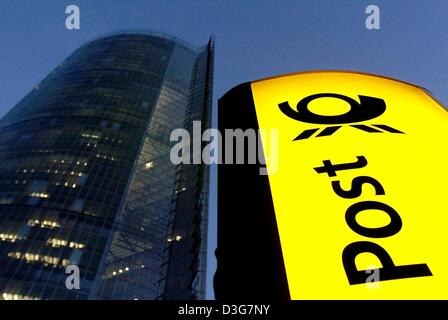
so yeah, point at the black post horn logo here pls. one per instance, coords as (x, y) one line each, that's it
(366, 109)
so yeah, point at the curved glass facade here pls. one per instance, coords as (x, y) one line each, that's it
(86, 177)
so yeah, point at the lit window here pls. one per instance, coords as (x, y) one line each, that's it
(174, 238)
(43, 224)
(33, 257)
(149, 165)
(116, 273)
(39, 195)
(56, 243)
(10, 237)
(180, 190)
(86, 135)
(12, 296)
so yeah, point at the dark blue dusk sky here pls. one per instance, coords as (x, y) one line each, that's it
(254, 39)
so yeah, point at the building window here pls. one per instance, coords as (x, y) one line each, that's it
(77, 205)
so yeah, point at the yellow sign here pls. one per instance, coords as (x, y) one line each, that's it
(361, 189)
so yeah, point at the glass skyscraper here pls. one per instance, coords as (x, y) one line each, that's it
(86, 177)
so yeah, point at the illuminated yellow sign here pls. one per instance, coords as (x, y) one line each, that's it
(361, 189)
